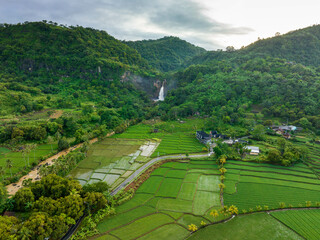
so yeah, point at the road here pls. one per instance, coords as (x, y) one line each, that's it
(147, 165)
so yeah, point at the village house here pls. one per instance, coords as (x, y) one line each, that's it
(254, 150)
(203, 137)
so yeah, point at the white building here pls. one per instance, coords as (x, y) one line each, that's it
(254, 150)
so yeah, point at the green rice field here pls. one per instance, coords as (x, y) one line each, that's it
(110, 160)
(269, 185)
(176, 195)
(254, 226)
(304, 222)
(176, 137)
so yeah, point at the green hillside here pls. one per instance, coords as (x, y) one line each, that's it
(166, 54)
(49, 49)
(299, 46)
(282, 90)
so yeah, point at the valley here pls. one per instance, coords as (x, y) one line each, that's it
(157, 139)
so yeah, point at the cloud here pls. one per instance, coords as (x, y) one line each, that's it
(127, 19)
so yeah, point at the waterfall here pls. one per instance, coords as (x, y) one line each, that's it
(161, 94)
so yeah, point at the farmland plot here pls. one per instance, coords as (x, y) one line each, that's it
(254, 226)
(269, 185)
(111, 160)
(304, 222)
(172, 198)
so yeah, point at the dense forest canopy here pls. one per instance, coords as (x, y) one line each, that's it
(166, 54)
(47, 66)
(299, 46)
(285, 90)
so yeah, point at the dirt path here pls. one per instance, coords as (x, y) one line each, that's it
(35, 173)
(56, 114)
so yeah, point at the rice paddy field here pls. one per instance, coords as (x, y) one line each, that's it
(253, 226)
(304, 222)
(19, 162)
(249, 185)
(176, 195)
(110, 160)
(314, 157)
(176, 137)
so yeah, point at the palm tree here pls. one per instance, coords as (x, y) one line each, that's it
(24, 155)
(9, 165)
(50, 140)
(28, 150)
(34, 146)
(2, 172)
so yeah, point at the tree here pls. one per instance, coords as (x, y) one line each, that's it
(95, 201)
(217, 151)
(258, 132)
(28, 150)
(2, 172)
(274, 156)
(223, 159)
(72, 205)
(282, 143)
(214, 213)
(230, 49)
(22, 197)
(9, 165)
(39, 225)
(87, 109)
(304, 122)
(95, 187)
(63, 144)
(3, 197)
(9, 227)
(54, 186)
(33, 146)
(192, 227)
(233, 210)
(50, 140)
(268, 123)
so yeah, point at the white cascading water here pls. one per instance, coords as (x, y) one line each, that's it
(161, 94)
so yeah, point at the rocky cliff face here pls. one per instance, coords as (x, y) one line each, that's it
(149, 85)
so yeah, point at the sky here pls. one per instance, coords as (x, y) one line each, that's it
(211, 24)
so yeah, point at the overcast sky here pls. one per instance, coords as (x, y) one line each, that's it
(212, 24)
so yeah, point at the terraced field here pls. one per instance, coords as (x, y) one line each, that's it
(304, 222)
(176, 195)
(111, 160)
(249, 185)
(314, 157)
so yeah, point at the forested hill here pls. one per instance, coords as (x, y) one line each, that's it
(45, 65)
(166, 54)
(49, 49)
(300, 46)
